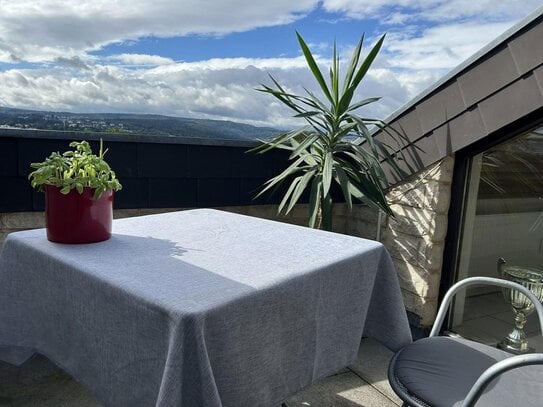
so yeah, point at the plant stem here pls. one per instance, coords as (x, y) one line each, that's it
(318, 219)
(326, 207)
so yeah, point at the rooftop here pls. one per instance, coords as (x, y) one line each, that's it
(227, 182)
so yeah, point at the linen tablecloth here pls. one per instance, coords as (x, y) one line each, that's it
(198, 308)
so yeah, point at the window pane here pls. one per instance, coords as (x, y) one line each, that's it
(503, 218)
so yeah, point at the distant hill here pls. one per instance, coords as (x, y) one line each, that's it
(145, 124)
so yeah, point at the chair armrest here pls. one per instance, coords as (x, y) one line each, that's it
(497, 369)
(443, 309)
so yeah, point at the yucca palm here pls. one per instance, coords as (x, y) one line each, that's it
(323, 151)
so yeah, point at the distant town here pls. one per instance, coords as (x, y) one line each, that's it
(62, 122)
(144, 124)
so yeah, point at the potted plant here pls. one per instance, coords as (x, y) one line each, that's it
(323, 151)
(78, 188)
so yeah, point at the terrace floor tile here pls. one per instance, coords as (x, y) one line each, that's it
(38, 382)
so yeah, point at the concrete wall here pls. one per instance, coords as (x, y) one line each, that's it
(16, 221)
(415, 236)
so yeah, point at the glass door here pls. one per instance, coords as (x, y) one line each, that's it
(503, 218)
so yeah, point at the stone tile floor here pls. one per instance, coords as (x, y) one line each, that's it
(488, 319)
(39, 383)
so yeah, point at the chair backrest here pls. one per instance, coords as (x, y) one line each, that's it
(462, 284)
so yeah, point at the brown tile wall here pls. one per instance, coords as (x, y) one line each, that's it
(498, 89)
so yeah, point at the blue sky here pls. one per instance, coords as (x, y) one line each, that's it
(204, 58)
(318, 27)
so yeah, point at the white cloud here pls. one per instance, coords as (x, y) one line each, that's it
(43, 30)
(432, 10)
(217, 64)
(218, 89)
(372, 8)
(442, 47)
(481, 9)
(141, 59)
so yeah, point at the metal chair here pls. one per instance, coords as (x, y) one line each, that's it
(453, 371)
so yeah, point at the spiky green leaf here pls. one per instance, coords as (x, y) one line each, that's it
(327, 167)
(314, 67)
(300, 188)
(343, 180)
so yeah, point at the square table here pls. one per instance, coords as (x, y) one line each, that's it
(199, 307)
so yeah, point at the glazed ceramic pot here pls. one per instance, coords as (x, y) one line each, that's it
(78, 218)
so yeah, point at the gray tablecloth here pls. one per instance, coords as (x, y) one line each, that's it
(198, 308)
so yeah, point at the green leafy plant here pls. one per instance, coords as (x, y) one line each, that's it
(75, 169)
(323, 150)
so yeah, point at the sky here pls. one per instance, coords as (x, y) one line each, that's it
(205, 58)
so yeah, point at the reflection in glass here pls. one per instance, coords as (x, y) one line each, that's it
(503, 217)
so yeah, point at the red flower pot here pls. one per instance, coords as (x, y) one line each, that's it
(78, 218)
